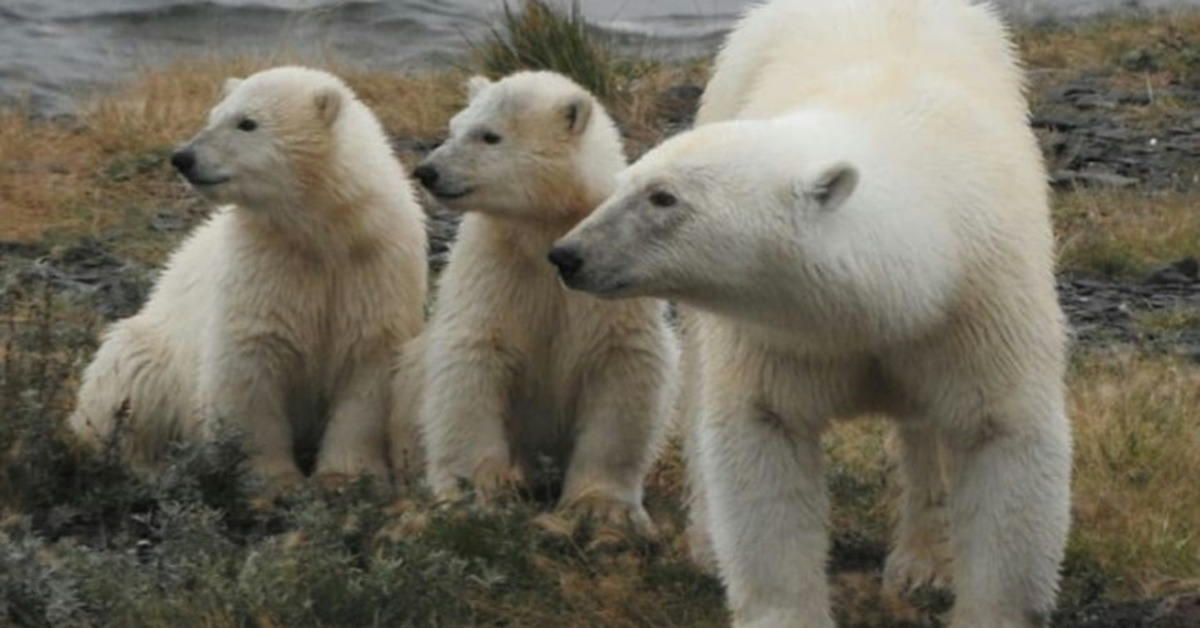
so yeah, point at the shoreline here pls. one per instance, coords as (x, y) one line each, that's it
(311, 35)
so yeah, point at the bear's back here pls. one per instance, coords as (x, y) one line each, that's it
(789, 53)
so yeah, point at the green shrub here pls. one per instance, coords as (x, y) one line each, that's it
(539, 37)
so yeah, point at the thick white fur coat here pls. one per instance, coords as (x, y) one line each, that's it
(280, 316)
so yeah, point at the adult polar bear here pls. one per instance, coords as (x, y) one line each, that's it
(284, 312)
(859, 225)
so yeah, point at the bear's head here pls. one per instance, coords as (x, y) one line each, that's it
(533, 145)
(818, 220)
(722, 216)
(704, 209)
(270, 141)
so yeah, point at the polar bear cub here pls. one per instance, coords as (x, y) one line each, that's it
(517, 369)
(281, 315)
(860, 224)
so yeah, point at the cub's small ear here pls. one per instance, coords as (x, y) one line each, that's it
(577, 111)
(475, 85)
(831, 187)
(230, 84)
(329, 104)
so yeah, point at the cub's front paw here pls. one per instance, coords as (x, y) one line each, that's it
(496, 478)
(913, 566)
(277, 478)
(617, 521)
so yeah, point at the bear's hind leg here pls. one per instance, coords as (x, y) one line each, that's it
(920, 554)
(132, 385)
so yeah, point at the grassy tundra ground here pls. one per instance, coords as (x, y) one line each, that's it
(88, 208)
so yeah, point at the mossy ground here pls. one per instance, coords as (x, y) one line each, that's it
(86, 542)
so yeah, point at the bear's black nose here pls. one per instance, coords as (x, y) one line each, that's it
(183, 160)
(567, 260)
(426, 174)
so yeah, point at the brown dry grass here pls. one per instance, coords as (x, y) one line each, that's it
(1125, 231)
(1138, 55)
(110, 165)
(1162, 46)
(1137, 431)
(40, 172)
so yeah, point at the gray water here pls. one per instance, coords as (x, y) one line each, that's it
(54, 50)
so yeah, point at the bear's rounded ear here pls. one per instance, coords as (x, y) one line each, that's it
(831, 187)
(328, 102)
(230, 84)
(475, 85)
(577, 111)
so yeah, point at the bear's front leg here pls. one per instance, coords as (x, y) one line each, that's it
(687, 421)
(405, 451)
(243, 386)
(698, 537)
(1009, 516)
(468, 384)
(622, 420)
(768, 510)
(355, 439)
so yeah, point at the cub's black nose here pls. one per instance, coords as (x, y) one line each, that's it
(183, 160)
(567, 260)
(426, 174)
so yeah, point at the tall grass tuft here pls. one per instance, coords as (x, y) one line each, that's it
(541, 37)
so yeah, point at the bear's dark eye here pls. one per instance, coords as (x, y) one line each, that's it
(490, 137)
(247, 125)
(663, 199)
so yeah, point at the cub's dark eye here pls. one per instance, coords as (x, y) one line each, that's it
(663, 199)
(489, 137)
(247, 125)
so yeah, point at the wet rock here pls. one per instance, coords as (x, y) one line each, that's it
(1106, 615)
(1105, 311)
(678, 103)
(442, 227)
(1067, 178)
(85, 273)
(1092, 101)
(167, 221)
(1140, 99)
(1177, 611)
(1088, 142)
(1184, 271)
(1054, 123)
(419, 146)
(23, 249)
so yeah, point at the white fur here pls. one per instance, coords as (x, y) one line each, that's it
(516, 367)
(281, 314)
(860, 225)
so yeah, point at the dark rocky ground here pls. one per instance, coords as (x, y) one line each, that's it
(1101, 310)
(1087, 142)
